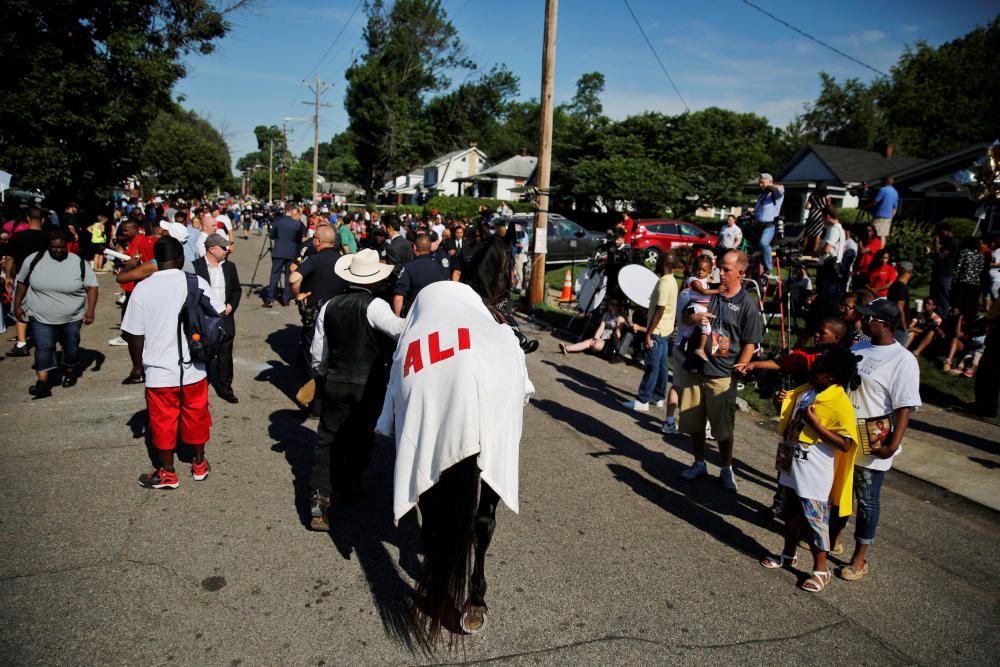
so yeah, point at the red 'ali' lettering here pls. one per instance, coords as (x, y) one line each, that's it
(435, 351)
(463, 339)
(413, 361)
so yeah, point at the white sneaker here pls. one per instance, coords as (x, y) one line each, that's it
(117, 342)
(660, 403)
(670, 428)
(697, 469)
(638, 406)
(728, 479)
(708, 432)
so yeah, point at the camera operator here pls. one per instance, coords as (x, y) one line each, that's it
(619, 256)
(765, 213)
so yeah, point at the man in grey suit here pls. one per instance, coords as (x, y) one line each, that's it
(287, 233)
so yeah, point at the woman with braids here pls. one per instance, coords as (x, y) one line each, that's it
(455, 404)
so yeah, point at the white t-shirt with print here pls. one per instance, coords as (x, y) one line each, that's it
(812, 465)
(890, 379)
(152, 312)
(730, 237)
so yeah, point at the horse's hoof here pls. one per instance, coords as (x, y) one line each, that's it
(473, 619)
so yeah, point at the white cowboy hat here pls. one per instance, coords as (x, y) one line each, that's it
(362, 268)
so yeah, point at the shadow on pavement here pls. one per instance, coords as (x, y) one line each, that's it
(962, 437)
(703, 504)
(88, 357)
(285, 373)
(362, 526)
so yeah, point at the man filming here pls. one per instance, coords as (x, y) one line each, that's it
(765, 212)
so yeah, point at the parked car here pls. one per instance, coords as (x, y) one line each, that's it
(562, 232)
(650, 238)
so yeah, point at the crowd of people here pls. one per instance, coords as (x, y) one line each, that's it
(392, 305)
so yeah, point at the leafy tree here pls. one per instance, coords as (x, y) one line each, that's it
(587, 100)
(298, 181)
(409, 48)
(83, 83)
(943, 99)
(185, 155)
(847, 114)
(517, 131)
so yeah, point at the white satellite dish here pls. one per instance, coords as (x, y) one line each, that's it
(637, 282)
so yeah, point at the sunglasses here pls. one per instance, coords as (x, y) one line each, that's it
(867, 319)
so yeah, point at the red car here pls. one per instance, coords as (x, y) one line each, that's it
(651, 237)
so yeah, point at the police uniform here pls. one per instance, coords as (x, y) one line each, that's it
(416, 275)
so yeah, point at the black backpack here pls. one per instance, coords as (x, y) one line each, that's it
(200, 324)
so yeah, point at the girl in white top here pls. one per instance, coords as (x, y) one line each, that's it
(701, 296)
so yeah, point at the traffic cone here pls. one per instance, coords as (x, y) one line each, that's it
(567, 293)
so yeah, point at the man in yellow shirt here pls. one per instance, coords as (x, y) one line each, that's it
(659, 327)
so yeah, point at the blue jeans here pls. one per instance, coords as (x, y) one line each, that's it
(766, 236)
(655, 374)
(867, 492)
(47, 335)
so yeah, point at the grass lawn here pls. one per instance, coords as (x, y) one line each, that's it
(943, 389)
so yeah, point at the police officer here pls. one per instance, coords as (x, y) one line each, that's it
(416, 274)
(439, 253)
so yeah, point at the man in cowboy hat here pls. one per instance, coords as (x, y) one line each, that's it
(348, 350)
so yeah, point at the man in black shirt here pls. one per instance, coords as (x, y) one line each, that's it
(899, 294)
(416, 275)
(23, 243)
(315, 277)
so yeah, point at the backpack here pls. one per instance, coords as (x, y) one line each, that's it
(200, 324)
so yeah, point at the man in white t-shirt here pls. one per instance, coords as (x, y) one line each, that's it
(829, 278)
(176, 392)
(888, 393)
(833, 240)
(731, 236)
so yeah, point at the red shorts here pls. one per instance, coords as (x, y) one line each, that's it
(165, 411)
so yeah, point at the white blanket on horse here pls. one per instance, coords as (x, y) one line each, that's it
(457, 388)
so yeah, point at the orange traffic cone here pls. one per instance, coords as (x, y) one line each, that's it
(567, 293)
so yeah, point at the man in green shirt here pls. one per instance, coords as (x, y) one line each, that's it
(346, 237)
(659, 327)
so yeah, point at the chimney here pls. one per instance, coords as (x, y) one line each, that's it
(889, 150)
(524, 152)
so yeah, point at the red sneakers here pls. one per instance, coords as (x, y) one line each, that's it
(200, 470)
(159, 479)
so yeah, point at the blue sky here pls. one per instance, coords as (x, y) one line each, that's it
(719, 53)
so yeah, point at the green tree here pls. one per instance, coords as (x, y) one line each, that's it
(517, 131)
(83, 82)
(847, 114)
(409, 49)
(587, 100)
(943, 99)
(185, 155)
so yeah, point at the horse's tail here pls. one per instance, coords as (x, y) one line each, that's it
(447, 534)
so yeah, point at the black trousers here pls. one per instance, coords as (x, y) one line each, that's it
(280, 267)
(988, 376)
(345, 436)
(220, 371)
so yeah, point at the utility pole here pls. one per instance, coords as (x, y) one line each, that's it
(284, 152)
(537, 294)
(318, 90)
(270, 167)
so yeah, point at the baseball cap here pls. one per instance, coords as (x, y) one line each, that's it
(217, 239)
(880, 309)
(176, 230)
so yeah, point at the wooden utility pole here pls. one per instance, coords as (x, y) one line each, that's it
(537, 295)
(270, 167)
(284, 156)
(318, 90)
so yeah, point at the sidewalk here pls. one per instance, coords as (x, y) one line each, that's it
(947, 449)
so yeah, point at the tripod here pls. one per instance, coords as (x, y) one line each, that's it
(265, 249)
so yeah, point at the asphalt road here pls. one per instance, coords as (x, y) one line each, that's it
(613, 559)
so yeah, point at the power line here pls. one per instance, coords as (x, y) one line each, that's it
(325, 54)
(656, 55)
(810, 37)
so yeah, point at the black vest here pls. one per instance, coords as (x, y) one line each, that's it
(355, 351)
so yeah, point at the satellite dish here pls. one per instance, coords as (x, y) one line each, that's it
(637, 282)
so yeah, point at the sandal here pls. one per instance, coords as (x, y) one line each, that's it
(848, 573)
(817, 582)
(779, 561)
(947, 365)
